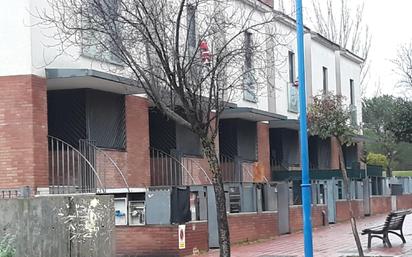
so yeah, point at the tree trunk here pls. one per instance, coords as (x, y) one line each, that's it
(388, 168)
(349, 200)
(217, 180)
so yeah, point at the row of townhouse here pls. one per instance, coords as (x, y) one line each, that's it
(69, 124)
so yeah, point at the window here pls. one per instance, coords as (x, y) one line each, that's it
(291, 56)
(291, 88)
(249, 93)
(352, 92)
(191, 26)
(325, 79)
(101, 15)
(354, 117)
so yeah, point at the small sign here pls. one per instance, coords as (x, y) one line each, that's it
(182, 236)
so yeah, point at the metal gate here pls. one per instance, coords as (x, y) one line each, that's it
(366, 196)
(211, 218)
(283, 207)
(331, 200)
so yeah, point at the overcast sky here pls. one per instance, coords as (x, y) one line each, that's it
(390, 24)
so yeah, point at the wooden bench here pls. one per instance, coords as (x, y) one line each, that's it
(393, 222)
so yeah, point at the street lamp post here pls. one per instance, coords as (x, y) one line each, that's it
(306, 187)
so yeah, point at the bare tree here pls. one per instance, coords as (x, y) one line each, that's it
(195, 54)
(403, 66)
(346, 27)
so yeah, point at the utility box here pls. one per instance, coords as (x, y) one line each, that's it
(158, 209)
(396, 189)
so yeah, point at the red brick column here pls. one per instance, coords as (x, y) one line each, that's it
(334, 153)
(137, 127)
(263, 165)
(23, 132)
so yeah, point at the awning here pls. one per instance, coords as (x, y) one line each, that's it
(251, 114)
(58, 79)
(287, 124)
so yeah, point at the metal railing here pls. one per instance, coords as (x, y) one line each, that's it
(247, 171)
(70, 171)
(103, 163)
(167, 170)
(229, 168)
(196, 170)
(11, 193)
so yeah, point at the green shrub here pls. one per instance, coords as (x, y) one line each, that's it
(377, 159)
(6, 248)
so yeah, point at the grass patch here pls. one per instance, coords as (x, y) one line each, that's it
(402, 173)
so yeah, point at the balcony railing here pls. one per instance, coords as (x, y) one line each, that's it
(71, 171)
(169, 170)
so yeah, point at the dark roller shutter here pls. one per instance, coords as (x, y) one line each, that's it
(106, 124)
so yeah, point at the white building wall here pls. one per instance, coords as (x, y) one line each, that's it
(322, 56)
(28, 48)
(48, 52)
(15, 33)
(282, 69)
(351, 70)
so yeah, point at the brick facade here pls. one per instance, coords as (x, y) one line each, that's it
(342, 210)
(262, 167)
(23, 132)
(160, 240)
(252, 226)
(137, 127)
(112, 178)
(319, 216)
(334, 153)
(404, 202)
(380, 204)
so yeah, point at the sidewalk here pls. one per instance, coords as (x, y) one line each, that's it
(333, 241)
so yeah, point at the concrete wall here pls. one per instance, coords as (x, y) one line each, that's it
(59, 226)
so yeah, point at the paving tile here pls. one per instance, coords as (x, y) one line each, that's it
(332, 241)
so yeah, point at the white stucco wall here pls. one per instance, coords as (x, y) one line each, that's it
(322, 56)
(282, 69)
(351, 70)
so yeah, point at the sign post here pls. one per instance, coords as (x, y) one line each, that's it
(182, 236)
(306, 187)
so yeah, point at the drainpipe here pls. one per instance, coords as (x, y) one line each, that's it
(306, 187)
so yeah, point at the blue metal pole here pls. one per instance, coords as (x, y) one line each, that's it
(306, 188)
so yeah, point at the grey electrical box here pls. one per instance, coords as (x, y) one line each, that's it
(396, 189)
(158, 206)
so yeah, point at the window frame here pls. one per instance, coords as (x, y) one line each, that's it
(249, 83)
